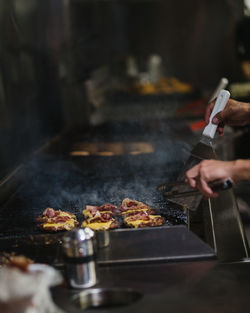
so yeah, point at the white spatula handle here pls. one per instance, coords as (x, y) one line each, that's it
(221, 101)
(221, 85)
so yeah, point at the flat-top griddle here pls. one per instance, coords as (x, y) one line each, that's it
(61, 180)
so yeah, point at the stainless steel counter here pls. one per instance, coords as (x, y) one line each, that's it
(186, 287)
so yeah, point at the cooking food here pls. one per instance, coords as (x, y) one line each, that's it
(137, 214)
(100, 218)
(107, 208)
(144, 220)
(56, 220)
(100, 224)
(134, 214)
(132, 207)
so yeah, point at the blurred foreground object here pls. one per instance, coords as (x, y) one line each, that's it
(18, 261)
(28, 292)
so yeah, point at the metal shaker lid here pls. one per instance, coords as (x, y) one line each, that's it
(79, 242)
(78, 235)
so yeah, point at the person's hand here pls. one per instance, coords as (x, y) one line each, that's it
(236, 113)
(207, 171)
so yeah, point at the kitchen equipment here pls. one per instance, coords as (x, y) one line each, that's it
(79, 258)
(203, 150)
(105, 297)
(221, 85)
(215, 186)
(154, 245)
(102, 238)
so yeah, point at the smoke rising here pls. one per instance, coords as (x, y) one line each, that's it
(61, 181)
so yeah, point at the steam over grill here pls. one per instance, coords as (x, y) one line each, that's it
(59, 180)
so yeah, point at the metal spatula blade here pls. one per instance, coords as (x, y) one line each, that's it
(215, 186)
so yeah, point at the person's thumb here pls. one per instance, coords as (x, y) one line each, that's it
(218, 118)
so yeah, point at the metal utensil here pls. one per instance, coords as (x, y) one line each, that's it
(221, 85)
(170, 184)
(203, 150)
(215, 186)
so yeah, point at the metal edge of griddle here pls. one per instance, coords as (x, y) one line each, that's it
(230, 242)
(49, 239)
(229, 237)
(139, 229)
(202, 252)
(175, 259)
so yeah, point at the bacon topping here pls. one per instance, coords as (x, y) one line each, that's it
(49, 212)
(107, 207)
(139, 216)
(106, 216)
(136, 212)
(93, 210)
(54, 220)
(101, 217)
(132, 203)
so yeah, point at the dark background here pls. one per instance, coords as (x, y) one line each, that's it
(49, 49)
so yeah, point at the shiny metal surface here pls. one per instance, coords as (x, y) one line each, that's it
(105, 297)
(229, 234)
(153, 245)
(103, 239)
(81, 275)
(79, 243)
(79, 257)
(181, 287)
(199, 152)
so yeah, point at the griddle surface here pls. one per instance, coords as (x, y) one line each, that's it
(57, 179)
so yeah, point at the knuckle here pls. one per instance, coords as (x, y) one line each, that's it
(203, 164)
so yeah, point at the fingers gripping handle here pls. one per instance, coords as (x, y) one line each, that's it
(221, 185)
(221, 101)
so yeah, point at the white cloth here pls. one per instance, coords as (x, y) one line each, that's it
(28, 292)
